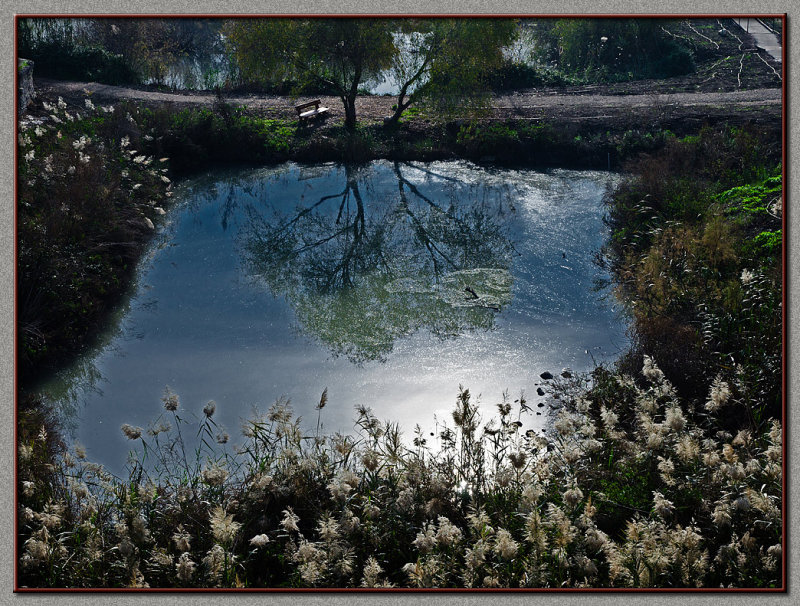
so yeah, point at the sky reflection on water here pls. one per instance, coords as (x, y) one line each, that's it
(455, 275)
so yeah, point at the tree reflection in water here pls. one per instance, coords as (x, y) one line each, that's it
(361, 270)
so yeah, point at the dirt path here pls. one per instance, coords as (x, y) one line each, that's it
(576, 104)
(763, 37)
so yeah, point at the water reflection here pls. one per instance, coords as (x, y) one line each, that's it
(69, 388)
(359, 275)
(262, 275)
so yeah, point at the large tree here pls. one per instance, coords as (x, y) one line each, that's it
(443, 62)
(337, 54)
(447, 62)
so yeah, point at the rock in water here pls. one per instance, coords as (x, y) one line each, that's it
(540, 391)
(566, 373)
(546, 375)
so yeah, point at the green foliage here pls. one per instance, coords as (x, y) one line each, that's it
(511, 75)
(153, 46)
(55, 59)
(696, 242)
(513, 140)
(634, 142)
(768, 242)
(753, 198)
(411, 112)
(482, 139)
(195, 137)
(337, 53)
(682, 180)
(444, 62)
(627, 487)
(451, 62)
(113, 51)
(610, 50)
(277, 134)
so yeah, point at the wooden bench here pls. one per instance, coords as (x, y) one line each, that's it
(304, 113)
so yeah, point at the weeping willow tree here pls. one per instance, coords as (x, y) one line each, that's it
(337, 54)
(447, 63)
(359, 275)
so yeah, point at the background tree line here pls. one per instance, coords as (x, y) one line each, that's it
(445, 63)
(114, 51)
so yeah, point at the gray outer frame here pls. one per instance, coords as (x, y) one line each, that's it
(375, 7)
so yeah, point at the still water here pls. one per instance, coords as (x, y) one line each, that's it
(389, 284)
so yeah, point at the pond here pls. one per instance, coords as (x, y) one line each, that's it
(388, 284)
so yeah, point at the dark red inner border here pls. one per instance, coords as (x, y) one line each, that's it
(782, 16)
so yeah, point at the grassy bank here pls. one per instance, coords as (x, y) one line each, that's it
(197, 138)
(665, 471)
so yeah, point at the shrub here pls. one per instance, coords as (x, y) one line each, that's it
(199, 137)
(691, 234)
(53, 59)
(768, 243)
(516, 76)
(87, 201)
(59, 50)
(481, 139)
(610, 50)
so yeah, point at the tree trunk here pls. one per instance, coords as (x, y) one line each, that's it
(350, 112)
(401, 104)
(350, 101)
(401, 107)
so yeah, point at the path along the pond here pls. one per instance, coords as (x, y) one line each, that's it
(764, 37)
(574, 105)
